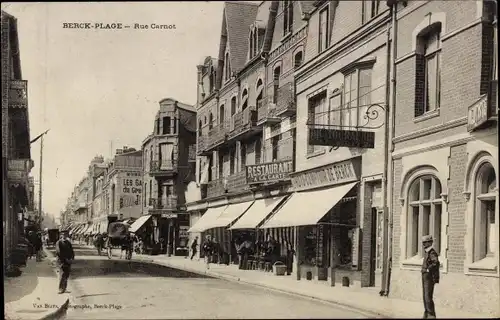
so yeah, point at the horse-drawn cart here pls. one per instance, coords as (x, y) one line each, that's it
(118, 236)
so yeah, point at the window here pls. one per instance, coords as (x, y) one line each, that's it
(211, 120)
(297, 59)
(232, 161)
(274, 145)
(199, 128)
(233, 106)
(251, 45)
(485, 235)
(323, 30)
(221, 114)
(227, 62)
(318, 115)
(244, 98)
(243, 157)
(212, 80)
(356, 97)
(258, 151)
(259, 90)
(205, 119)
(287, 17)
(166, 125)
(158, 126)
(424, 214)
(276, 83)
(166, 155)
(145, 194)
(370, 10)
(256, 41)
(428, 75)
(221, 165)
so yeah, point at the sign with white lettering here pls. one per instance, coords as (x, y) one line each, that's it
(267, 172)
(342, 138)
(478, 114)
(336, 173)
(169, 215)
(18, 94)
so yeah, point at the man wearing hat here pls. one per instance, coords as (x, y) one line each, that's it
(65, 256)
(430, 276)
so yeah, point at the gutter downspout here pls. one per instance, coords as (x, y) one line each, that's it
(385, 178)
(392, 117)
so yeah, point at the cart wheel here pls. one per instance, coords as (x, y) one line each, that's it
(110, 253)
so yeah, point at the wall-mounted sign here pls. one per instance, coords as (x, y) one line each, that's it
(478, 114)
(266, 172)
(335, 173)
(169, 215)
(342, 138)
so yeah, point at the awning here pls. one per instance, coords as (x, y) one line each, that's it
(139, 223)
(233, 212)
(82, 229)
(308, 207)
(88, 231)
(75, 229)
(256, 213)
(207, 219)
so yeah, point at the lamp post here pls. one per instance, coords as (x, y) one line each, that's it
(41, 168)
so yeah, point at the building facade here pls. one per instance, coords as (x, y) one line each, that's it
(168, 167)
(16, 156)
(445, 156)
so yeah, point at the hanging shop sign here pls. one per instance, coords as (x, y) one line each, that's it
(478, 114)
(18, 94)
(268, 172)
(342, 138)
(169, 215)
(335, 173)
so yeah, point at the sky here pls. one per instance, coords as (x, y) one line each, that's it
(98, 90)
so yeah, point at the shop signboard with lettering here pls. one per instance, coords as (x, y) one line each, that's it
(269, 172)
(342, 138)
(335, 173)
(18, 94)
(478, 114)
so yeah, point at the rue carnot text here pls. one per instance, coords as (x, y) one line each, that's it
(117, 26)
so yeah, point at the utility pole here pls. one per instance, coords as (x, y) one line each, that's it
(41, 172)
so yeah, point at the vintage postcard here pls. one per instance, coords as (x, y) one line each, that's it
(250, 159)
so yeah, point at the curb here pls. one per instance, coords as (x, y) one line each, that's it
(60, 312)
(369, 313)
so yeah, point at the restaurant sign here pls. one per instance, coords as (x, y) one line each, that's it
(478, 114)
(342, 138)
(18, 94)
(268, 172)
(169, 215)
(335, 173)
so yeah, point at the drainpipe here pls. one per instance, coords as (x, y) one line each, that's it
(390, 163)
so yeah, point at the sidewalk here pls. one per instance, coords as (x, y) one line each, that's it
(365, 300)
(33, 295)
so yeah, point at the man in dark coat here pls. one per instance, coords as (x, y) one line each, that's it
(194, 247)
(430, 276)
(65, 256)
(38, 246)
(208, 249)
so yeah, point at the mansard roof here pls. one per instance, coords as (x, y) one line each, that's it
(237, 18)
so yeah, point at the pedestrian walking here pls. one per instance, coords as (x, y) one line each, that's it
(65, 256)
(38, 246)
(430, 276)
(208, 249)
(194, 246)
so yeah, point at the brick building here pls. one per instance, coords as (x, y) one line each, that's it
(168, 166)
(16, 154)
(445, 155)
(342, 82)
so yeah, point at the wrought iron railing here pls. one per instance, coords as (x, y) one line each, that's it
(163, 165)
(243, 121)
(286, 99)
(159, 203)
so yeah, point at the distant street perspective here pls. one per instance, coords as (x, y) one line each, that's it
(250, 159)
(121, 289)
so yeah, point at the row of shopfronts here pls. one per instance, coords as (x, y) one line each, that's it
(317, 213)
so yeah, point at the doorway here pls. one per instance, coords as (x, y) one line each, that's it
(373, 246)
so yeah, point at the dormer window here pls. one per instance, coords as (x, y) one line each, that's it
(287, 17)
(253, 40)
(211, 79)
(251, 45)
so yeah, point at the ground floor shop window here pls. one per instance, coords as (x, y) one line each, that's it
(310, 253)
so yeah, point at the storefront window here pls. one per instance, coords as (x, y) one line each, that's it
(310, 245)
(484, 218)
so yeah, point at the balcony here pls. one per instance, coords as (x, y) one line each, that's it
(266, 112)
(233, 183)
(216, 136)
(192, 153)
(162, 168)
(244, 124)
(18, 94)
(281, 152)
(157, 205)
(286, 100)
(202, 146)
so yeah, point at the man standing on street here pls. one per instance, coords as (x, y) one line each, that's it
(194, 247)
(65, 256)
(430, 276)
(208, 249)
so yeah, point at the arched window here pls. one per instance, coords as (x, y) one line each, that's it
(222, 114)
(297, 59)
(228, 66)
(199, 128)
(485, 234)
(244, 99)
(428, 74)
(251, 41)
(424, 214)
(233, 106)
(260, 92)
(211, 80)
(276, 83)
(205, 119)
(211, 121)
